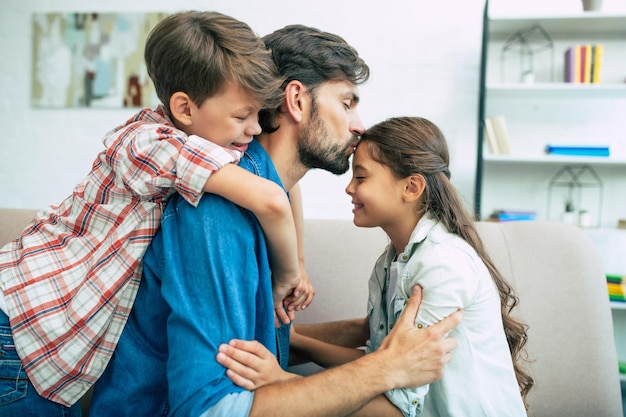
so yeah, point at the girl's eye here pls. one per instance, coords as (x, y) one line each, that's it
(347, 105)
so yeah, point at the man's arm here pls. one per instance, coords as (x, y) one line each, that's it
(407, 357)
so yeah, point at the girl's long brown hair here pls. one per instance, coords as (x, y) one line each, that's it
(413, 145)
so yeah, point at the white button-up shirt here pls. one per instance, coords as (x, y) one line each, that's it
(480, 380)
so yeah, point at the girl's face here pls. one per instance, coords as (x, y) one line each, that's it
(377, 193)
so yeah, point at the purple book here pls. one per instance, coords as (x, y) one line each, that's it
(568, 74)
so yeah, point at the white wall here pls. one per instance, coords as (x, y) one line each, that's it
(424, 58)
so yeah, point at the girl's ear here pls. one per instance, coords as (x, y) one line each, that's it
(181, 107)
(414, 188)
(295, 103)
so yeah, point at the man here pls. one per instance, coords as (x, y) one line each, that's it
(207, 279)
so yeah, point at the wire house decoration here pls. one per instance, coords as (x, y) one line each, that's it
(574, 179)
(525, 45)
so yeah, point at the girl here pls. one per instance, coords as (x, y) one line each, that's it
(401, 183)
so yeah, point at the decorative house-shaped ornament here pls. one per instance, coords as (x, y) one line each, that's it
(577, 191)
(528, 56)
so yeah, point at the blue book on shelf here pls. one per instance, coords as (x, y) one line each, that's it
(578, 150)
(510, 215)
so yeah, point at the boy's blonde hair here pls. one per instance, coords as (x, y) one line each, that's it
(199, 52)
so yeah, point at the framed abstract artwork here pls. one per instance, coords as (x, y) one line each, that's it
(91, 60)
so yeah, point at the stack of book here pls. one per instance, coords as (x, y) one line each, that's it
(583, 64)
(496, 134)
(616, 285)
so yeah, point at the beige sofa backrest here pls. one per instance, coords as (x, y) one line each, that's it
(13, 222)
(555, 268)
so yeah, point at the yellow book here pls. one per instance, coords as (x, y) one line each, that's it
(597, 62)
(587, 64)
(615, 289)
(577, 72)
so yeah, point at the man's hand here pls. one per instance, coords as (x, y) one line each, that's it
(415, 356)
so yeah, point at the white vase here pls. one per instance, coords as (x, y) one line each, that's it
(569, 217)
(592, 5)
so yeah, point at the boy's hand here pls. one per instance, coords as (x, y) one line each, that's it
(281, 289)
(250, 365)
(302, 295)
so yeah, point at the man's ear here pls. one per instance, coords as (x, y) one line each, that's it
(295, 100)
(414, 188)
(181, 107)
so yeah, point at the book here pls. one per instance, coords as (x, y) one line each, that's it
(589, 150)
(512, 215)
(502, 134)
(597, 63)
(490, 136)
(568, 70)
(581, 63)
(588, 57)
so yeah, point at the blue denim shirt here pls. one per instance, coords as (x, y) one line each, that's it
(206, 281)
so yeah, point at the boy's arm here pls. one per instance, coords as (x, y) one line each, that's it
(269, 202)
(305, 288)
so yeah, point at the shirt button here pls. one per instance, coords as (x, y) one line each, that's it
(420, 325)
(382, 326)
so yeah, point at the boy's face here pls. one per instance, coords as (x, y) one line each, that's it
(229, 118)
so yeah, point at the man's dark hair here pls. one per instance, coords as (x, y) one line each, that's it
(312, 57)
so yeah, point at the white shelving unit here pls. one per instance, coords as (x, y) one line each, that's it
(550, 111)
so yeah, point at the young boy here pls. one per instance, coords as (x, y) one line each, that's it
(69, 281)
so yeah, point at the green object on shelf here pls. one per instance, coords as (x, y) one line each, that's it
(622, 367)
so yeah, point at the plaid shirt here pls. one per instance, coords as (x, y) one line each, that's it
(70, 279)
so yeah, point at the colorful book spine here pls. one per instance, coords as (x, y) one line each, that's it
(568, 74)
(511, 215)
(598, 51)
(583, 63)
(616, 285)
(590, 150)
(588, 57)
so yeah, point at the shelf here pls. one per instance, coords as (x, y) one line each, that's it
(552, 159)
(557, 89)
(589, 22)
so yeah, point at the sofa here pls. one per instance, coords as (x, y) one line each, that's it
(555, 268)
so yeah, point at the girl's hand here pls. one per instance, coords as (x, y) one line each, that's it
(302, 295)
(250, 365)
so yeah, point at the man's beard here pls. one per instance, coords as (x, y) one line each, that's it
(316, 148)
